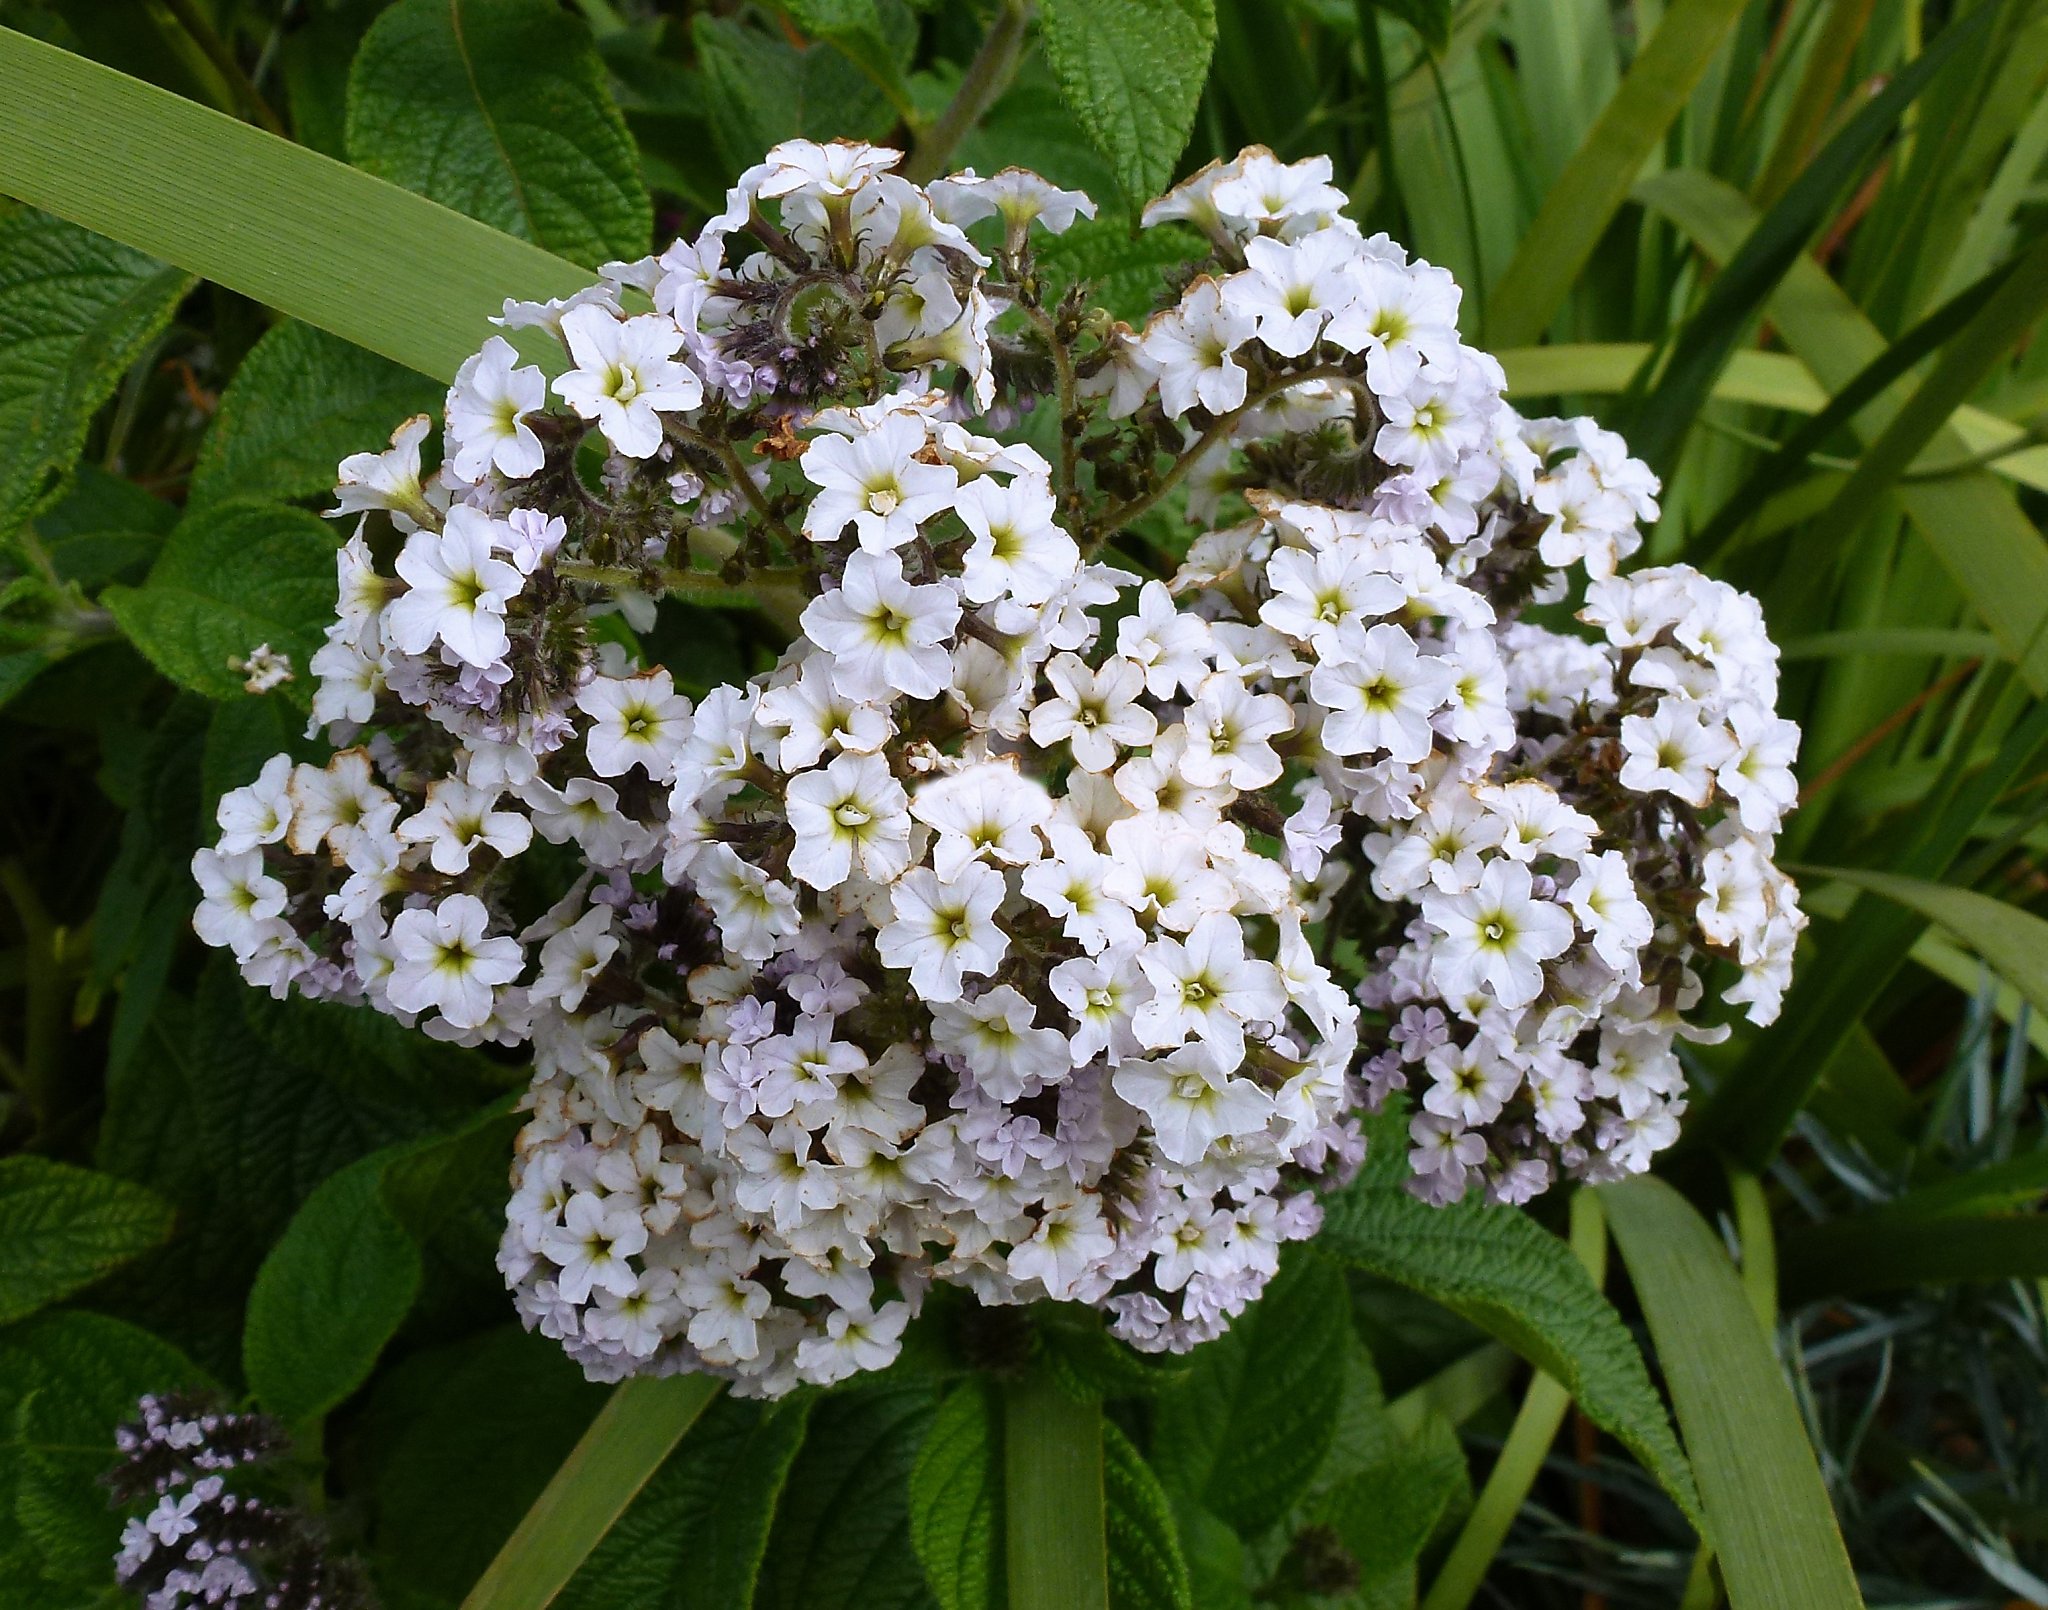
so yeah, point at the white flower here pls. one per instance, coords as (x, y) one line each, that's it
(1191, 347)
(571, 960)
(813, 714)
(941, 932)
(1316, 595)
(1227, 727)
(756, 913)
(849, 814)
(1093, 712)
(1497, 935)
(1208, 987)
(448, 961)
(1018, 550)
(1311, 833)
(487, 409)
(1017, 195)
(456, 591)
(389, 480)
(1069, 1244)
(457, 818)
(1162, 872)
(1675, 749)
(987, 812)
(624, 378)
(886, 635)
(1292, 288)
(1101, 993)
(1603, 897)
(875, 481)
(1193, 1101)
(1171, 645)
(1758, 775)
(257, 813)
(592, 1243)
(1008, 1056)
(1380, 694)
(634, 721)
(241, 901)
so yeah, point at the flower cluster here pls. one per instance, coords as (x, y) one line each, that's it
(984, 937)
(203, 1543)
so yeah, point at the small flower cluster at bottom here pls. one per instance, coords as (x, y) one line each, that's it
(202, 1542)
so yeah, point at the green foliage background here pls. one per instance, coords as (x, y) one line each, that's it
(1796, 248)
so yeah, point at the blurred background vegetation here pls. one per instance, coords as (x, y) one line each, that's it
(1797, 249)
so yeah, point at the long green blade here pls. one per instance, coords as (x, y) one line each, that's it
(1875, 1252)
(1589, 192)
(1772, 1525)
(305, 234)
(638, 1427)
(1056, 1540)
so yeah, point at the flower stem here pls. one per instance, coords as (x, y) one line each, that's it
(988, 75)
(1056, 1539)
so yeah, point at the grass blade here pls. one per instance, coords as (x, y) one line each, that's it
(1875, 1252)
(1768, 1513)
(1589, 192)
(309, 236)
(638, 1427)
(2014, 943)
(1702, 345)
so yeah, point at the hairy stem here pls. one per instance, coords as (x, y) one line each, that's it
(988, 75)
(1057, 1541)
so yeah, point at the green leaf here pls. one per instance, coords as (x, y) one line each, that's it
(301, 401)
(764, 90)
(1767, 1510)
(75, 312)
(232, 575)
(67, 1380)
(956, 1499)
(1146, 1571)
(1055, 1526)
(695, 1537)
(1585, 197)
(452, 1471)
(1250, 1429)
(500, 110)
(1132, 71)
(1701, 346)
(1879, 1251)
(841, 1539)
(859, 31)
(2013, 942)
(637, 1429)
(329, 1296)
(64, 1227)
(1505, 1273)
(300, 232)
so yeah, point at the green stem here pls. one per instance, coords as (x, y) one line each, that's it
(215, 49)
(42, 1056)
(638, 1427)
(1057, 1542)
(1528, 1444)
(988, 75)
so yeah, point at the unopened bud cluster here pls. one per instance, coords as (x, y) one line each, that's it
(986, 937)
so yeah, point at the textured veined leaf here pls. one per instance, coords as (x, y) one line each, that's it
(231, 576)
(75, 312)
(765, 89)
(330, 1295)
(956, 1499)
(67, 1379)
(301, 401)
(1146, 1571)
(1132, 72)
(694, 1538)
(841, 1539)
(500, 110)
(64, 1227)
(1249, 1430)
(861, 32)
(1511, 1277)
(1767, 1510)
